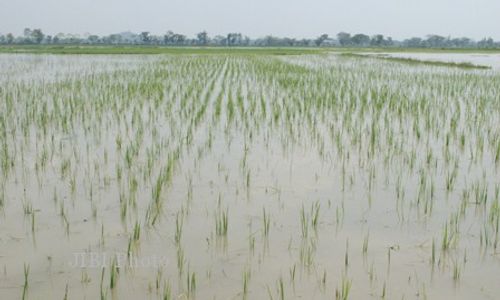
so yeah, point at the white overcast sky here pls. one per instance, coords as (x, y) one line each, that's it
(256, 18)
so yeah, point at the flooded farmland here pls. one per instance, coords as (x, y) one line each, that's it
(247, 177)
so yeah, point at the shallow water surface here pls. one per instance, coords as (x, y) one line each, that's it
(253, 177)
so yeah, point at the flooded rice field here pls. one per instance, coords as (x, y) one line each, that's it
(247, 177)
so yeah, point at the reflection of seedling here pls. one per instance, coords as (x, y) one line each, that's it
(456, 271)
(66, 292)
(281, 289)
(180, 260)
(103, 291)
(292, 274)
(26, 277)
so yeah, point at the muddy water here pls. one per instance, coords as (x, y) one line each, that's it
(272, 145)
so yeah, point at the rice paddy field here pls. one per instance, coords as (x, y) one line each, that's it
(240, 175)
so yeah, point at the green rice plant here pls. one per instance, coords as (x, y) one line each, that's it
(251, 244)
(167, 292)
(178, 228)
(323, 281)
(2, 198)
(114, 271)
(266, 222)
(456, 271)
(433, 253)
(307, 253)
(365, 243)
(221, 222)
(346, 256)
(85, 278)
(102, 290)
(315, 215)
(446, 239)
(292, 274)
(137, 232)
(497, 153)
(304, 222)
(342, 292)
(180, 260)
(246, 281)
(191, 283)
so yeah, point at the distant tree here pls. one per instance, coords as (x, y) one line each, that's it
(219, 40)
(171, 38)
(289, 42)
(269, 41)
(37, 36)
(168, 37)
(461, 42)
(234, 39)
(486, 43)
(9, 38)
(413, 43)
(303, 42)
(436, 41)
(246, 41)
(145, 38)
(360, 40)
(202, 38)
(155, 40)
(27, 35)
(321, 39)
(116, 39)
(344, 38)
(93, 39)
(27, 32)
(59, 38)
(377, 40)
(178, 39)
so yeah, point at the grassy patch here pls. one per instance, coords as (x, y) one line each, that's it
(413, 61)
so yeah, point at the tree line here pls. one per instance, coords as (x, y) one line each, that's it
(170, 38)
